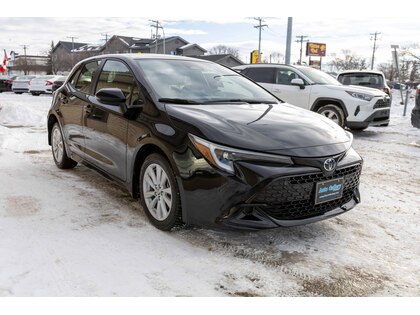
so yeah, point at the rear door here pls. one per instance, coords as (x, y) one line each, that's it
(105, 126)
(74, 99)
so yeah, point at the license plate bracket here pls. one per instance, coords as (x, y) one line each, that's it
(329, 190)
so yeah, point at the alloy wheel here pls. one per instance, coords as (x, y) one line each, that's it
(157, 192)
(57, 145)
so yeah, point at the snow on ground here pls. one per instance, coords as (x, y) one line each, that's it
(74, 233)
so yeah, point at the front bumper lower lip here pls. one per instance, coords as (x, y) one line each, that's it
(252, 216)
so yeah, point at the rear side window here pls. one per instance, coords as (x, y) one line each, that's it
(116, 74)
(84, 81)
(263, 74)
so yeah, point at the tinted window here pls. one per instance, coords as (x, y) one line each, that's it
(116, 74)
(285, 76)
(263, 74)
(84, 82)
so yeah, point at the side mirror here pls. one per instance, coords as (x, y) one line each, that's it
(299, 83)
(111, 96)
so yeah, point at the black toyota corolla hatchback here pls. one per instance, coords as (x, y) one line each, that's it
(201, 144)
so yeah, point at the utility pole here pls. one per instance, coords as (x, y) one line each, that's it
(157, 25)
(374, 48)
(106, 40)
(301, 45)
(25, 70)
(72, 48)
(260, 26)
(289, 40)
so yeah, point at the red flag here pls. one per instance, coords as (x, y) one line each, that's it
(3, 67)
(5, 59)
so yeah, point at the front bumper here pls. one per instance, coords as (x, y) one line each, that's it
(375, 113)
(263, 196)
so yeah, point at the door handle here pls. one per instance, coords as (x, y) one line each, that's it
(88, 109)
(277, 90)
(64, 100)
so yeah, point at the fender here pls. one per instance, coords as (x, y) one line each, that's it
(331, 99)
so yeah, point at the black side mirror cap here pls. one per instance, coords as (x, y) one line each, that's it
(111, 96)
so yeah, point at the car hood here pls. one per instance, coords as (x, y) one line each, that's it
(358, 89)
(276, 128)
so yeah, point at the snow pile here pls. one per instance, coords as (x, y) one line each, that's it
(15, 115)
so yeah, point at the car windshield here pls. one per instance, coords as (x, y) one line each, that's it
(318, 77)
(364, 79)
(193, 82)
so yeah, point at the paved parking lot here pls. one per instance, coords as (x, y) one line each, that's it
(73, 233)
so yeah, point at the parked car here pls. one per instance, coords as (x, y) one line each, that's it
(399, 86)
(4, 85)
(9, 82)
(415, 114)
(348, 106)
(367, 78)
(201, 144)
(58, 82)
(42, 84)
(21, 84)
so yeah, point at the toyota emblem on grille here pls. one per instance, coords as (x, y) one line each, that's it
(330, 164)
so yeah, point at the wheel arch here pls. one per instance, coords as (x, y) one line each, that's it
(52, 119)
(322, 101)
(141, 155)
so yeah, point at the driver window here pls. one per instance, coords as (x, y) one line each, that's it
(285, 76)
(116, 74)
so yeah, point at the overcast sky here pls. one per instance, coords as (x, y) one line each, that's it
(339, 33)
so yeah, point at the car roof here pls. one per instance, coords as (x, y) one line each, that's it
(130, 57)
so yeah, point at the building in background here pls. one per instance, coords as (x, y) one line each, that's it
(27, 64)
(225, 59)
(64, 57)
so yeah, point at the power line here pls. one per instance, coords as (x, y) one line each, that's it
(374, 48)
(259, 26)
(301, 40)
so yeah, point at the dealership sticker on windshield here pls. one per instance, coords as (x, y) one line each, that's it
(329, 190)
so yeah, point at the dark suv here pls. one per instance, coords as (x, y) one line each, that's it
(202, 144)
(415, 114)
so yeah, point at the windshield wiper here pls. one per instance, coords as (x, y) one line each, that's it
(177, 101)
(239, 100)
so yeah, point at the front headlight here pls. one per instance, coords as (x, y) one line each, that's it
(223, 157)
(361, 96)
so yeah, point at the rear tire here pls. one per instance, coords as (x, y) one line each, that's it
(159, 193)
(58, 149)
(18, 92)
(333, 112)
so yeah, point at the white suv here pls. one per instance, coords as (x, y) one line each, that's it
(349, 106)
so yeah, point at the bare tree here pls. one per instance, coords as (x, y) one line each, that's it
(349, 62)
(388, 70)
(222, 50)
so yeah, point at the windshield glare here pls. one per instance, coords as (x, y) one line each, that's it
(200, 82)
(318, 77)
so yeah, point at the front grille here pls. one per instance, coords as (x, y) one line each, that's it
(294, 197)
(382, 103)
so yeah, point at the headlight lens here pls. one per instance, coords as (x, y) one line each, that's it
(223, 157)
(361, 96)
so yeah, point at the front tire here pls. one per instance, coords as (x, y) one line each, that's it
(333, 112)
(59, 149)
(159, 193)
